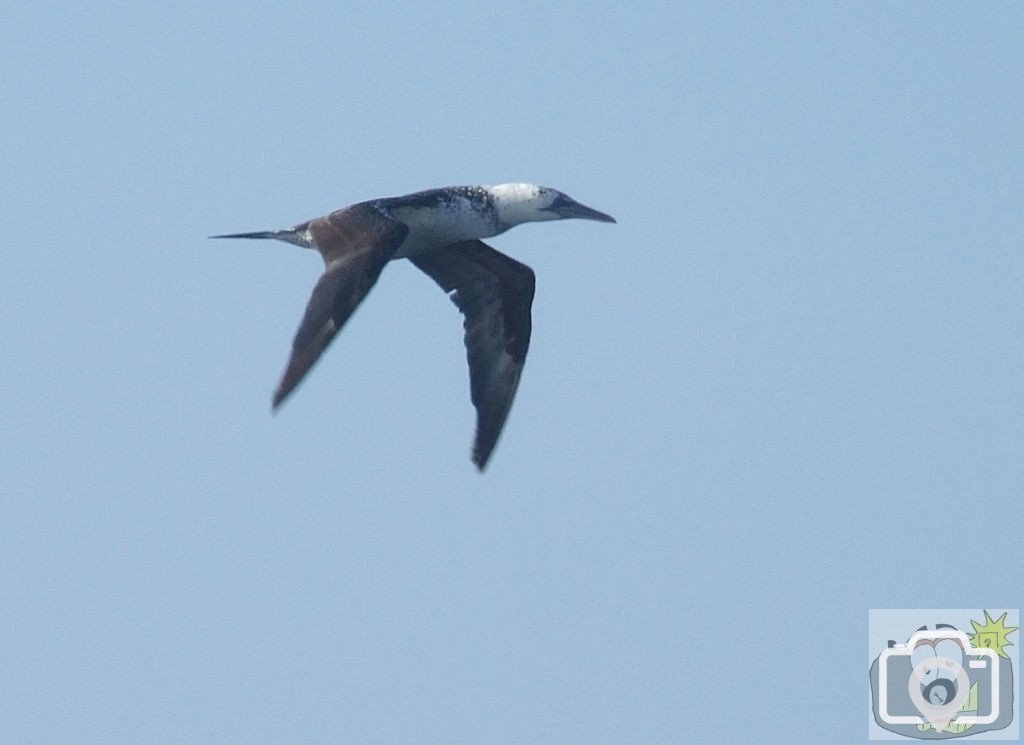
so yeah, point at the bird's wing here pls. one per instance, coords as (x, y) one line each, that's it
(494, 294)
(356, 243)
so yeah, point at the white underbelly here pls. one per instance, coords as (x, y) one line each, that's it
(432, 228)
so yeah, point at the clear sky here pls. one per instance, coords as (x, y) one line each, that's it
(786, 388)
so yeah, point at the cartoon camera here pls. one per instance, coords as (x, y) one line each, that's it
(939, 677)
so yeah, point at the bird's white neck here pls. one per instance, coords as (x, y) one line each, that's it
(519, 203)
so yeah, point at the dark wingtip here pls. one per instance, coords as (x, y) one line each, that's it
(480, 458)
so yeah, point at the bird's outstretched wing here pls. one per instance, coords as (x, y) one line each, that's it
(356, 243)
(495, 294)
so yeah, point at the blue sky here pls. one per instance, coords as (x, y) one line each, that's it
(783, 390)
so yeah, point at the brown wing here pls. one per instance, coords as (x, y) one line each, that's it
(494, 293)
(356, 243)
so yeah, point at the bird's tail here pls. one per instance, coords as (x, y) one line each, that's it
(299, 235)
(279, 234)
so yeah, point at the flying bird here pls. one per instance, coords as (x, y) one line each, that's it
(438, 230)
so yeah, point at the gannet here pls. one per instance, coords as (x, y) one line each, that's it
(438, 230)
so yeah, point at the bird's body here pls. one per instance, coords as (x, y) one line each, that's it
(439, 230)
(439, 217)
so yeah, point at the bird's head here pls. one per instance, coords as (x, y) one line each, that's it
(519, 203)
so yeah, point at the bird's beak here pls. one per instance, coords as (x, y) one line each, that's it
(568, 209)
